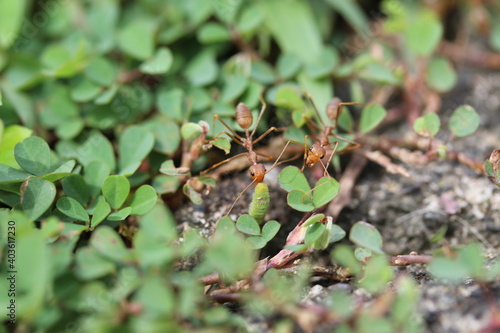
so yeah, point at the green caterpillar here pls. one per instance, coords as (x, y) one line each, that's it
(260, 202)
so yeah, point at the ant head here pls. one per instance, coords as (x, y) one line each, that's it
(244, 116)
(314, 155)
(257, 172)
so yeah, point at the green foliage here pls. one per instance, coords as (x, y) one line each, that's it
(427, 125)
(100, 100)
(464, 121)
(300, 195)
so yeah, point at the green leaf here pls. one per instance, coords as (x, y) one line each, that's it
(378, 73)
(120, 215)
(366, 235)
(61, 61)
(91, 265)
(324, 65)
(159, 223)
(494, 35)
(101, 71)
(344, 255)
(170, 103)
(33, 155)
(441, 75)
(336, 233)
(22, 104)
(134, 145)
(75, 187)
(371, 116)
(262, 72)
(109, 244)
(12, 135)
(377, 274)
(288, 97)
(61, 172)
(298, 200)
(84, 90)
(37, 196)
(167, 135)
(160, 63)
(290, 178)
(11, 20)
(314, 232)
(325, 190)
(101, 211)
(424, 33)
(448, 269)
(362, 254)
(202, 70)
(212, 32)
(10, 175)
(464, 121)
(256, 242)
(471, 257)
(270, 229)
(226, 10)
(234, 86)
(190, 131)
(427, 125)
(169, 168)
(248, 225)
(143, 200)
(72, 208)
(115, 190)
(222, 143)
(137, 38)
(94, 175)
(295, 28)
(288, 65)
(352, 12)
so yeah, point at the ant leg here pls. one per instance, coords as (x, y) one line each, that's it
(267, 133)
(260, 114)
(235, 139)
(227, 126)
(238, 197)
(309, 97)
(222, 162)
(353, 143)
(339, 110)
(264, 156)
(331, 156)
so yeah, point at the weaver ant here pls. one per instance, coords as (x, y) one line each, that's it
(317, 151)
(257, 171)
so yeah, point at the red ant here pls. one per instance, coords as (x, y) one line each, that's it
(317, 151)
(257, 171)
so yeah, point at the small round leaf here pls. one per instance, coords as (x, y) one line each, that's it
(72, 208)
(115, 190)
(298, 200)
(366, 235)
(464, 121)
(248, 225)
(325, 190)
(143, 200)
(33, 155)
(427, 125)
(290, 178)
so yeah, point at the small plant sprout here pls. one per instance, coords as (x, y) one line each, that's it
(257, 170)
(317, 151)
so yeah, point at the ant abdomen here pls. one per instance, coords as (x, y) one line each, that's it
(244, 116)
(332, 108)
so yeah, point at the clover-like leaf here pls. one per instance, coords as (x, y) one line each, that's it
(101, 211)
(75, 187)
(33, 155)
(115, 190)
(270, 229)
(427, 125)
(143, 200)
(464, 121)
(371, 116)
(109, 244)
(134, 145)
(290, 178)
(248, 225)
(300, 201)
(325, 190)
(366, 235)
(72, 208)
(36, 196)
